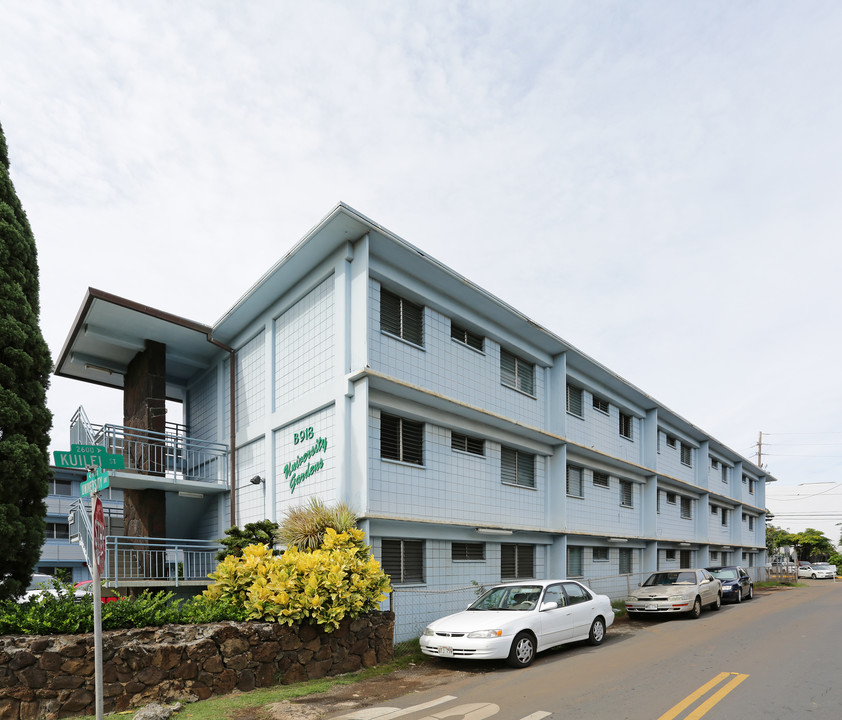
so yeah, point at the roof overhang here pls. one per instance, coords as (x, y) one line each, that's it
(110, 330)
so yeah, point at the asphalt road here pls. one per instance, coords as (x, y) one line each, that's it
(777, 656)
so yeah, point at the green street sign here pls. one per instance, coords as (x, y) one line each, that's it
(97, 480)
(83, 456)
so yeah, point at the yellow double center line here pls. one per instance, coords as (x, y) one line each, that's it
(675, 710)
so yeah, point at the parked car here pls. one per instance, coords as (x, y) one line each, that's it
(815, 571)
(514, 621)
(86, 589)
(828, 566)
(40, 585)
(675, 591)
(736, 583)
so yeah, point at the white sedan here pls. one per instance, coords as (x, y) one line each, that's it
(820, 571)
(514, 621)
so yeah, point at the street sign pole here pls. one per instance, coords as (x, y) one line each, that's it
(96, 505)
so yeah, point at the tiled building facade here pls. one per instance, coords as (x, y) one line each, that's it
(475, 445)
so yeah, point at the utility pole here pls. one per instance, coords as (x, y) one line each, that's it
(760, 449)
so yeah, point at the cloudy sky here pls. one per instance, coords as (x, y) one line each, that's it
(656, 182)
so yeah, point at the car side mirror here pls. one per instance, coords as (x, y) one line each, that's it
(549, 606)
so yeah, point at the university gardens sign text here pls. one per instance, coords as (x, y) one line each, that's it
(293, 471)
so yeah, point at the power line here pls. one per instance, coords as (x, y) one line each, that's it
(828, 432)
(801, 455)
(804, 444)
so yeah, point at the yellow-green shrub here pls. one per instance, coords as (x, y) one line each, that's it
(339, 579)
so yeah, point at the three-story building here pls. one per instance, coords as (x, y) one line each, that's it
(475, 445)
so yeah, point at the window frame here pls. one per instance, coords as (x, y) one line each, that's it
(580, 551)
(626, 560)
(686, 512)
(626, 489)
(506, 477)
(468, 440)
(395, 319)
(517, 549)
(597, 403)
(599, 474)
(602, 551)
(575, 399)
(466, 337)
(56, 483)
(403, 439)
(52, 528)
(581, 472)
(469, 548)
(626, 426)
(515, 377)
(689, 450)
(405, 544)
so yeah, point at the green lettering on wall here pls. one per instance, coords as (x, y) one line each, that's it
(298, 470)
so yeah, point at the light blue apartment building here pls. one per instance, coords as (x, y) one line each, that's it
(475, 445)
(60, 555)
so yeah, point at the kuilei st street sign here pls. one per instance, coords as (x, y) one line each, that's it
(82, 456)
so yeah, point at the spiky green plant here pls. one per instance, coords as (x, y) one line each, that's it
(304, 526)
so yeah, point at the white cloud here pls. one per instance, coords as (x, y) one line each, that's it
(655, 182)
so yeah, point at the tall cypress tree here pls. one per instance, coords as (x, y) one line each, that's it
(25, 421)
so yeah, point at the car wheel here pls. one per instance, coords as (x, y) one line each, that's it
(813, 576)
(718, 604)
(597, 633)
(696, 610)
(523, 651)
(738, 598)
(750, 592)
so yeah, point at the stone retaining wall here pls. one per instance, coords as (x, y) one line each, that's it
(52, 676)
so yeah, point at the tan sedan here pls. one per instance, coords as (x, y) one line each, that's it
(675, 591)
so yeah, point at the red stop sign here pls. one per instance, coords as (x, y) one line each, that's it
(99, 536)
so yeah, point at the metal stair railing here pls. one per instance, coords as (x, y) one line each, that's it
(82, 432)
(171, 454)
(80, 530)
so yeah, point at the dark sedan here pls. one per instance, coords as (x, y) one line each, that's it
(736, 583)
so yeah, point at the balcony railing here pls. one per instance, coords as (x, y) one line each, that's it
(146, 562)
(141, 561)
(170, 454)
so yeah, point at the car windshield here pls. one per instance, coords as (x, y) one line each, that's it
(38, 582)
(509, 597)
(725, 574)
(671, 578)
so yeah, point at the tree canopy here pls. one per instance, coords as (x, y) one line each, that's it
(777, 538)
(25, 368)
(813, 545)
